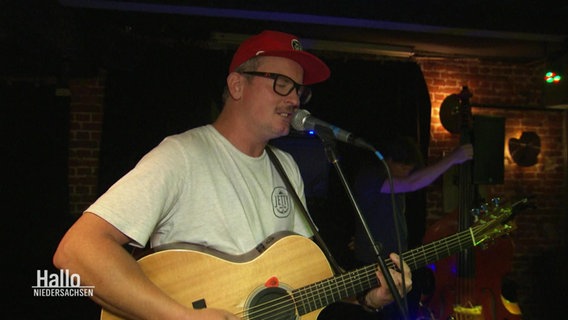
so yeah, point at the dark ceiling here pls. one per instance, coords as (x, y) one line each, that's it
(536, 16)
(35, 38)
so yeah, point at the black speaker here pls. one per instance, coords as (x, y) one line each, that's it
(488, 149)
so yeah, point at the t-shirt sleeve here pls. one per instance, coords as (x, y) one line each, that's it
(142, 198)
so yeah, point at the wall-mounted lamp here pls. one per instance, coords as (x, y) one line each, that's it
(525, 150)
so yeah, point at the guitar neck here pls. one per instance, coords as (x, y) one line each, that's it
(325, 292)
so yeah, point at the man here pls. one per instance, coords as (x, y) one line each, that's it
(373, 193)
(210, 185)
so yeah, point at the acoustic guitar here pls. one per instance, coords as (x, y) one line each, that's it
(287, 276)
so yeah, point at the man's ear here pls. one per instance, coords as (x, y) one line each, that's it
(235, 83)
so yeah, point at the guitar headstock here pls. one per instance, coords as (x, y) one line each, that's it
(495, 220)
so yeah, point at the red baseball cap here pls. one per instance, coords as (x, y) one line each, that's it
(279, 44)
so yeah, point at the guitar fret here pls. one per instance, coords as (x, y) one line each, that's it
(424, 256)
(360, 287)
(448, 248)
(357, 284)
(300, 301)
(343, 282)
(335, 292)
(324, 296)
(316, 291)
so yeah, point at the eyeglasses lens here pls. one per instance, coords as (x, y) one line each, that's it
(284, 85)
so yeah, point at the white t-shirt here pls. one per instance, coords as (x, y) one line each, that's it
(196, 187)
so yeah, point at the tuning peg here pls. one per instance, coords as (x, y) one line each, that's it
(496, 202)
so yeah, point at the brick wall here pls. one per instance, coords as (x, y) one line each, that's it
(87, 106)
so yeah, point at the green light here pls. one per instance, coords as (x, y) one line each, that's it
(552, 77)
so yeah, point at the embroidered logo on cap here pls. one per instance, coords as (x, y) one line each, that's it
(296, 45)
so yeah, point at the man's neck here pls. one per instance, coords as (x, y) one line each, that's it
(240, 137)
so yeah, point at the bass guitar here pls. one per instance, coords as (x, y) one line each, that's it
(287, 276)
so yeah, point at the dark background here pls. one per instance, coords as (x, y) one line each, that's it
(163, 80)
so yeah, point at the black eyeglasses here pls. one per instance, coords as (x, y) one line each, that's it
(283, 85)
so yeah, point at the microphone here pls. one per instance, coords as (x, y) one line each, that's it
(302, 120)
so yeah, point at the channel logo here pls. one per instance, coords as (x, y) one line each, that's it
(62, 284)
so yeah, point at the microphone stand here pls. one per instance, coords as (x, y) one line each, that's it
(328, 139)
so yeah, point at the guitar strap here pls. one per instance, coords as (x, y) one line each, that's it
(337, 268)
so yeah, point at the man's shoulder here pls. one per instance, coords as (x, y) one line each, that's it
(201, 132)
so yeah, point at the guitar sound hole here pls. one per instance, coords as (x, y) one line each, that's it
(272, 304)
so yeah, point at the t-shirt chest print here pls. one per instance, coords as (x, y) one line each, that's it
(281, 202)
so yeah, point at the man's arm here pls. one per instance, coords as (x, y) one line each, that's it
(425, 176)
(93, 249)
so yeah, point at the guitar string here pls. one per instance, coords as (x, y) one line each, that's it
(365, 275)
(267, 308)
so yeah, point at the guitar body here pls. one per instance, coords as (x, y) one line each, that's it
(197, 277)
